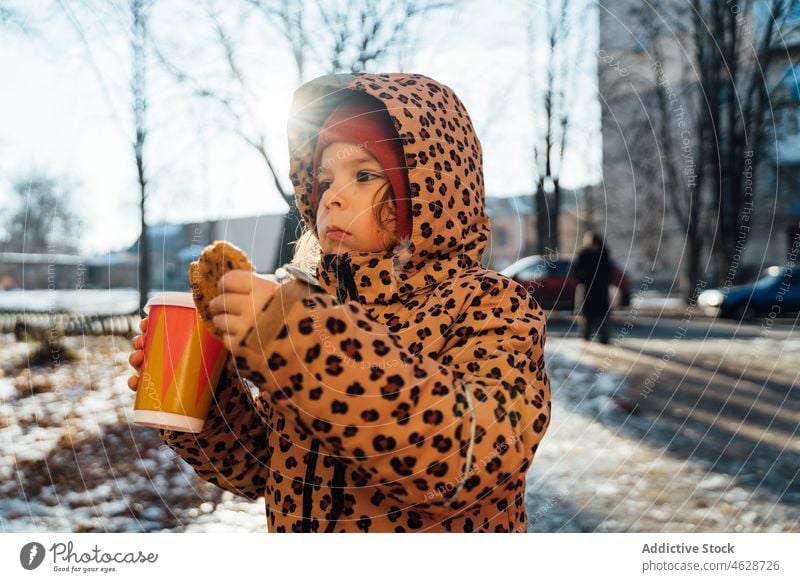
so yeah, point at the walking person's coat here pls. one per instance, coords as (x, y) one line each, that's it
(594, 271)
(408, 392)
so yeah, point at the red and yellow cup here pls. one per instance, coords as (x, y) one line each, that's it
(182, 365)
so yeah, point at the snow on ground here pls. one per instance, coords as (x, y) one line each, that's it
(79, 301)
(774, 358)
(597, 468)
(71, 461)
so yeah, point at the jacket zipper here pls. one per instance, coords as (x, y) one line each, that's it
(337, 494)
(345, 283)
(345, 290)
(308, 486)
(337, 489)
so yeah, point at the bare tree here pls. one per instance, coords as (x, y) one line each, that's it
(354, 36)
(734, 54)
(44, 220)
(139, 39)
(131, 20)
(711, 128)
(551, 106)
(682, 163)
(12, 17)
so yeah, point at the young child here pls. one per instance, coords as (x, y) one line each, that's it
(407, 392)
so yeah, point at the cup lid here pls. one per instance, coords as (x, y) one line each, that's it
(176, 298)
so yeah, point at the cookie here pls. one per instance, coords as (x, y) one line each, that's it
(204, 274)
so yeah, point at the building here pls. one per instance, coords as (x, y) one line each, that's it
(172, 248)
(514, 225)
(640, 50)
(42, 271)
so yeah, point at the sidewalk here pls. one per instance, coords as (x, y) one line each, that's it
(601, 468)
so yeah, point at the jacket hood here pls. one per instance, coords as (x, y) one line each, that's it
(449, 225)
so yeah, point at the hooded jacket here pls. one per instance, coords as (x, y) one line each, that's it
(406, 391)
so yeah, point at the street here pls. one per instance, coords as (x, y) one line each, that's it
(674, 426)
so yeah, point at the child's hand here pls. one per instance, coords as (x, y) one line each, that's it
(137, 356)
(242, 295)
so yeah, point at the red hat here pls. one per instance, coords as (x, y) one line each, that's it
(370, 126)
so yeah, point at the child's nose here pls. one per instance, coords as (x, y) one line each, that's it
(336, 193)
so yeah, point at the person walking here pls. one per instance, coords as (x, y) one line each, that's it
(593, 269)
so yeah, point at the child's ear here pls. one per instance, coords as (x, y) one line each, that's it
(389, 226)
(390, 221)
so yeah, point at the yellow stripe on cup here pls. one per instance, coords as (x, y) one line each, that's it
(182, 365)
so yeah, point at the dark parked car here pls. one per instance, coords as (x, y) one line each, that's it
(552, 285)
(776, 291)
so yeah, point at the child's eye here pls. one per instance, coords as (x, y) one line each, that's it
(364, 176)
(324, 185)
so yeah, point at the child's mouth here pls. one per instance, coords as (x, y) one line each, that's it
(336, 234)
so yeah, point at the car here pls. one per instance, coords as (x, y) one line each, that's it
(776, 291)
(551, 283)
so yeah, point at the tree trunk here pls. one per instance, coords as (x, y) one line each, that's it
(693, 271)
(138, 87)
(144, 252)
(541, 219)
(554, 229)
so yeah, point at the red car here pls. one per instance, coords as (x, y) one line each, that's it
(550, 281)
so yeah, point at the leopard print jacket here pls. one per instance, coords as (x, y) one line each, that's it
(407, 391)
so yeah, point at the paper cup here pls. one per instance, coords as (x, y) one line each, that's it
(182, 365)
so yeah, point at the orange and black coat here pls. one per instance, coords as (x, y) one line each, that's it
(407, 391)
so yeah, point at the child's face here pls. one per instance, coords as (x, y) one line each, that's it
(349, 181)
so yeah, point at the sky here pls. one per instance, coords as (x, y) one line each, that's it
(64, 111)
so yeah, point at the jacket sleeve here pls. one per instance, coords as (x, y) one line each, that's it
(438, 432)
(231, 451)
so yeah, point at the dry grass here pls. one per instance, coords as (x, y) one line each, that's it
(51, 353)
